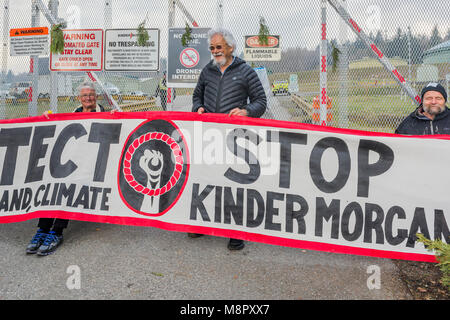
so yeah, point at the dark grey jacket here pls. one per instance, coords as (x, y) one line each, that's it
(219, 93)
(417, 124)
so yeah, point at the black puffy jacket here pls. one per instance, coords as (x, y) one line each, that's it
(219, 93)
(417, 124)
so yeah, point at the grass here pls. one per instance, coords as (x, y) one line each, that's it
(369, 113)
(20, 109)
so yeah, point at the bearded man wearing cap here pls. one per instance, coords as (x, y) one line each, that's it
(431, 117)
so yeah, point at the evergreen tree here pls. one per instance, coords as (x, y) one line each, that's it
(435, 38)
(379, 41)
(9, 77)
(399, 45)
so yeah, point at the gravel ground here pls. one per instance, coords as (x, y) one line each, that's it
(423, 280)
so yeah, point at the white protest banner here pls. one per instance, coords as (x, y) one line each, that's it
(83, 51)
(276, 182)
(28, 41)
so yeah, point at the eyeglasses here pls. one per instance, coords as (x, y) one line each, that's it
(91, 95)
(219, 47)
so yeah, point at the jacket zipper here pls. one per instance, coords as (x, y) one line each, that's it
(431, 127)
(219, 93)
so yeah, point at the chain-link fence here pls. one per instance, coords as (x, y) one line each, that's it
(414, 36)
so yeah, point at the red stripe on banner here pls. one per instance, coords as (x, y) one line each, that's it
(301, 244)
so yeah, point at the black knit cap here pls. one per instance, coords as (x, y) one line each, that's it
(434, 86)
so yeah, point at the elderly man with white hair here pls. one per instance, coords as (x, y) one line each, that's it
(49, 234)
(227, 84)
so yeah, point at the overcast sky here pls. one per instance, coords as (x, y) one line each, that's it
(296, 21)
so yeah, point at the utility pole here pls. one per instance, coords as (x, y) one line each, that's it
(343, 73)
(108, 14)
(34, 65)
(409, 57)
(219, 17)
(4, 57)
(171, 13)
(171, 23)
(172, 7)
(323, 95)
(54, 83)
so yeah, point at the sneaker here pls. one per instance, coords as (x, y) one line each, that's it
(195, 235)
(36, 242)
(236, 244)
(51, 242)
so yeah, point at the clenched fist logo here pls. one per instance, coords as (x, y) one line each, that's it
(154, 168)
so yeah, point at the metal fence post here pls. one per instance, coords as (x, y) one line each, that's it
(343, 66)
(54, 83)
(219, 18)
(34, 66)
(108, 14)
(4, 57)
(323, 64)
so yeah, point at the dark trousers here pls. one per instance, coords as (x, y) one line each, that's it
(48, 223)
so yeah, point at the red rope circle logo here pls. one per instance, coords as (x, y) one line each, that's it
(176, 152)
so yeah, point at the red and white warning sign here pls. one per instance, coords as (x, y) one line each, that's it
(189, 57)
(255, 51)
(83, 51)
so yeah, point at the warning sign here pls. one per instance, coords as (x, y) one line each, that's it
(28, 41)
(185, 63)
(255, 51)
(83, 51)
(122, 52)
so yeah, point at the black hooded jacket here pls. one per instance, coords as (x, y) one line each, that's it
(418, 124)
(219, 93)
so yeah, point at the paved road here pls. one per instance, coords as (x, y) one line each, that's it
(124, 262)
